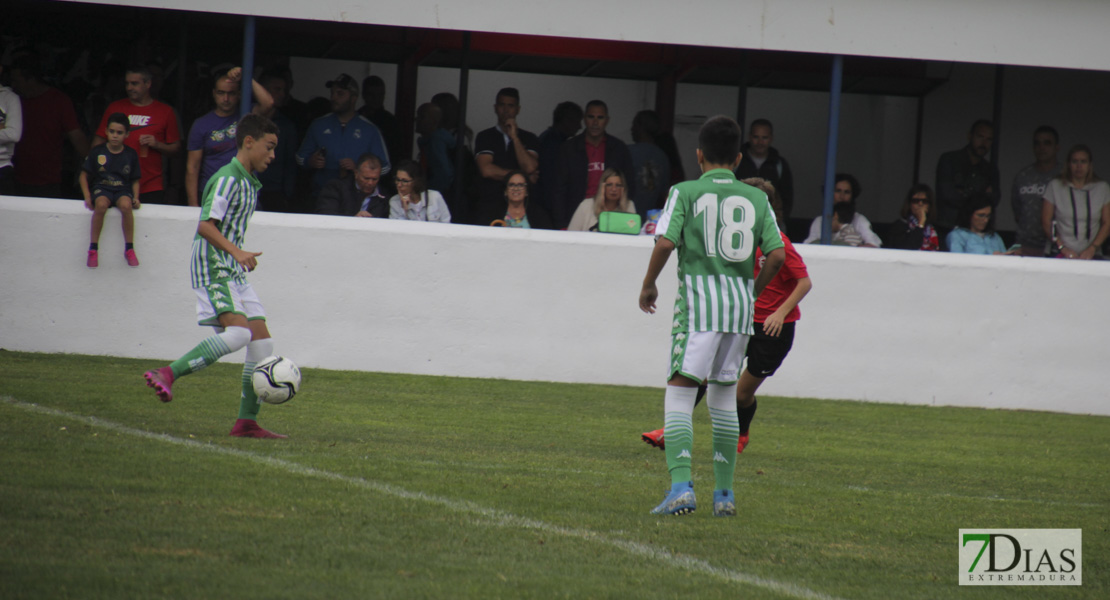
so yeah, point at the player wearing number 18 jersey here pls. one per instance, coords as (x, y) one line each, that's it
(716, 223)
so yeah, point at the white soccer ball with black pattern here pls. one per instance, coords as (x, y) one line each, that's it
(276, 379)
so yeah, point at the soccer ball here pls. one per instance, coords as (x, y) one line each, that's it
(276, 379)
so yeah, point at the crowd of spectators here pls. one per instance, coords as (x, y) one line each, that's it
(1060, 211)
(337, 156)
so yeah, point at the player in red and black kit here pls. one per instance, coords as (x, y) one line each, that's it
(776, 311)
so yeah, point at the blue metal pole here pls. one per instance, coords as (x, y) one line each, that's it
(248, 65)
(830, 150)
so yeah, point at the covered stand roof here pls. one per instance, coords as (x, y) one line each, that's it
(515, 52)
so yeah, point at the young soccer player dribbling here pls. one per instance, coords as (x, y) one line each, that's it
(716, 222)
(110, 177)
(225, 300)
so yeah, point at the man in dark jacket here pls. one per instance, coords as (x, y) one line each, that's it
(965, 172)
(761, 160)
(583, 158)
(357, 196)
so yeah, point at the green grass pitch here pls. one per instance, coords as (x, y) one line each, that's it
(399, 486)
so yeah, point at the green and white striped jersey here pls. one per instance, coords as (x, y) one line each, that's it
(716, 222)
(230, 198)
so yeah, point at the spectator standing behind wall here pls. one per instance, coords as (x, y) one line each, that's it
(212, 137)
(566, 121)
(284, 186)
(154, 131)
(282, 93)
(651, 169)
(336, 139)
(582, 160)
(1028, 190)
(373, 95)
(11, 129)
(965, 172)
(1076, 208)
(48, 121)
(498, 151)
(760, 159)
(279, 180)
(437, 147)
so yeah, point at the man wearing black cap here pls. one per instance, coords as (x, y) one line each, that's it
(335, 140)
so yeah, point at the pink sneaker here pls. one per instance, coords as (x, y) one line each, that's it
(250, 428)
(92, 261)
(162, 382)
(132, 260)
(742, 443)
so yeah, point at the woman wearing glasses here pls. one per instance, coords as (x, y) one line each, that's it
(612, 196)
(915, 231)
(414, 201)
(521, 213)
(974, 232)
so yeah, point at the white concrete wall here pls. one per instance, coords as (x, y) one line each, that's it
(375, 295)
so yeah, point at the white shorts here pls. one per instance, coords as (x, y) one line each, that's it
(227, 297)
(707, 356)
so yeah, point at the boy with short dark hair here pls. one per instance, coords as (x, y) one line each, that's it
(114, 170)
(225, 300)
(716, 222)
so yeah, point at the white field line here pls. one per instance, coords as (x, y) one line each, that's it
(496, 517)
(745, 479)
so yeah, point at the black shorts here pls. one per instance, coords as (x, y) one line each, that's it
(766, 353)
(113, 196)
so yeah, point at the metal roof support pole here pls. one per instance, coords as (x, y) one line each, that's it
(830, 149)
(248, 64)
(460, 135)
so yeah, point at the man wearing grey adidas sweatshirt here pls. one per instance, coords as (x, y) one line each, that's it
(1026, 195)
(11, 129)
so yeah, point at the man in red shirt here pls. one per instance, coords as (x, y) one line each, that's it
(582, 160)
(154, 131)
(48, 120)
(776, 311)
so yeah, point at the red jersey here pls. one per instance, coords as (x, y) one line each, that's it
(47, 120)
(595, 165)
(781, 286)
(156, 119)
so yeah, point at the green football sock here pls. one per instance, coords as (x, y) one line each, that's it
(210, 350)
(678, 430)
(248, 400)
(726, 432)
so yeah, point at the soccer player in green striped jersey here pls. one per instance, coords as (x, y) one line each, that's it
(225, 300)
(716, 222)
